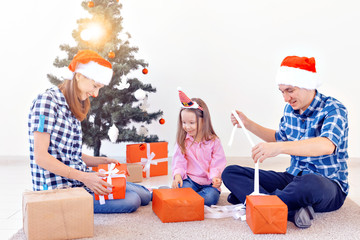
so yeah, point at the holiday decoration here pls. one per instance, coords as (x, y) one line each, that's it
(111, 55)
(162, 121)
(113, 133)
(143, 131)
(144, 105)
(139, 94)
(145, 71)
(90, 4)
(116, 106)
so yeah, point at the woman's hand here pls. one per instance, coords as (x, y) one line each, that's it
(177, 181)
(93, 180)
(216, 182)
(107, 160)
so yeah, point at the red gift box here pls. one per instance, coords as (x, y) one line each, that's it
(116, 176)
(178, 205)
(266, 214)
(153, 157)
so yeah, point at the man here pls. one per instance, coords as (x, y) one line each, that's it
(314, 131)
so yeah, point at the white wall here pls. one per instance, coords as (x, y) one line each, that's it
(225, 52)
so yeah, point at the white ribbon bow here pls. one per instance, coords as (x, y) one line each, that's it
(147, 161)
(111, 173)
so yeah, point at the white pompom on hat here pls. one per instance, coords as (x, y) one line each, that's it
(298, 72)
(92, 65)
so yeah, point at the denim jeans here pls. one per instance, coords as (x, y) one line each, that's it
(323, 194)
(210, 194)
(135, 196)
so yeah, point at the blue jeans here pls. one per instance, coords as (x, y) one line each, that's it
(135, 196)
(323, 194)
(210, 194)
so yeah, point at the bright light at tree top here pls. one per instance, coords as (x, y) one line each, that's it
(93, 32)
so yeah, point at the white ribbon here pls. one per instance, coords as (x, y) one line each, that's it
(236, 211)
(111, 173)
(147, 161)
(256, 171)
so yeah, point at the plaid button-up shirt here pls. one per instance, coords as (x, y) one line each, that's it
(50, 113)
(325, 117)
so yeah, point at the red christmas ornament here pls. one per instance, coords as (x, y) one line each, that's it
(162, 121)
(111, 54)
(145, 71)
(142, 147)
(91, 4)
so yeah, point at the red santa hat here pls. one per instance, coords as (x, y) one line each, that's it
(186, 102)
(298, 72)
(92, 65)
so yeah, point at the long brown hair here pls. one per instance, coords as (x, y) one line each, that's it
(72, 95)
(206, 131)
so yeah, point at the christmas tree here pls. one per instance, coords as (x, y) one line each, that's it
(123, 101)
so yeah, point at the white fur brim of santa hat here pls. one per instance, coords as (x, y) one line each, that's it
(95, 71)
(298, 72)
(90, 64)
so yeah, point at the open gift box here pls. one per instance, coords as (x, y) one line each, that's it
(116, 176)
(178, 205)
(266, 214)
(152, 156)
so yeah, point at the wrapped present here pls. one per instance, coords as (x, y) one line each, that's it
(116, 176)
(153, 157)
(58, 214)
(178, 205)
(266, 214)
(135, 172)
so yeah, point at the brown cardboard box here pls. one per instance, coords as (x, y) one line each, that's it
(135, 172)
(266, 214)
(58, 214)
(178, 205)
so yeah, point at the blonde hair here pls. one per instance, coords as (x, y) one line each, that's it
(71, 92)
(207, 132)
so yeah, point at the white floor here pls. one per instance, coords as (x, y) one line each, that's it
(15, 179)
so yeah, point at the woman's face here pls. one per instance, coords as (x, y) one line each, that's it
(87, 86)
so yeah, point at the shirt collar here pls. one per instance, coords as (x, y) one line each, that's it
(59, 97)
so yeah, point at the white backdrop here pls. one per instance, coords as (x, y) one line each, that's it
(225, 52)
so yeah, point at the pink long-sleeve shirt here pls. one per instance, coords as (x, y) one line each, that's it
(202, 161)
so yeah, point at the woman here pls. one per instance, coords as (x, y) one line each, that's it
(55, 136)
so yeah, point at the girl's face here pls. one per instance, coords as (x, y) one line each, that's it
(189, 123)
(87, 86)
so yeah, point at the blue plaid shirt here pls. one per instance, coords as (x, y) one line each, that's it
(325, 117)
(50, 113)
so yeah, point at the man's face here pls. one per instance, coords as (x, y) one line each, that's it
(298, 98)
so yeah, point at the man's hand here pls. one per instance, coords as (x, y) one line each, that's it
(264, 150)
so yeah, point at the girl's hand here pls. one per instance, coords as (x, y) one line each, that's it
(177, 181)
(216, 182)
(93, 180)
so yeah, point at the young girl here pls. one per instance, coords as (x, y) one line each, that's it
(55, 136)
(199, 158)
